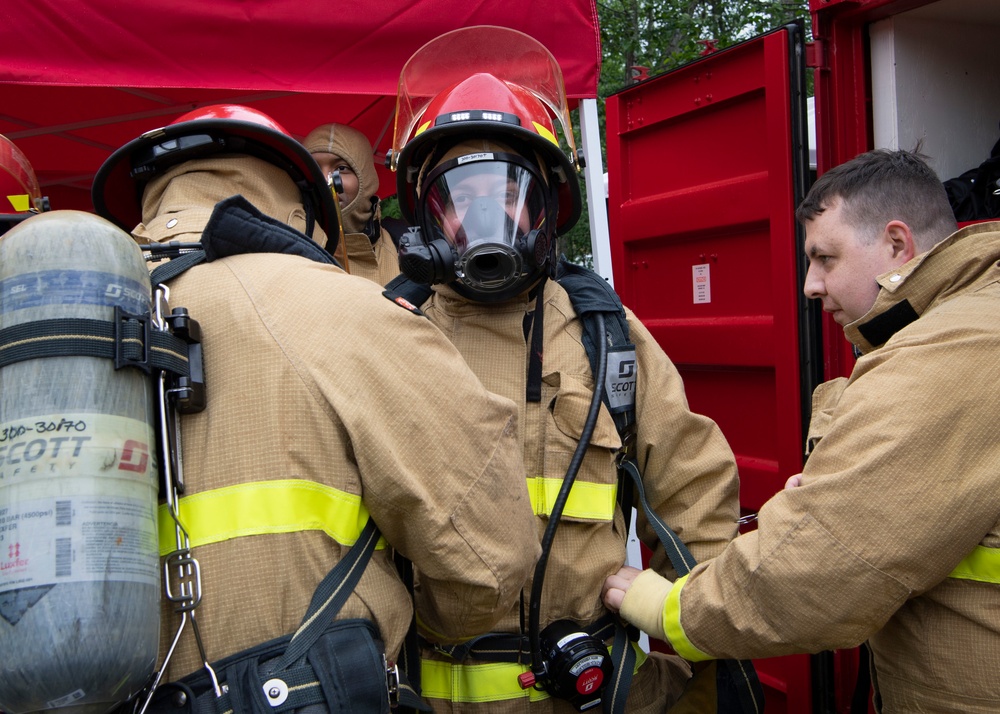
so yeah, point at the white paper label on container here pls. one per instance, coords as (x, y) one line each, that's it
(77, 501)
(702, 282)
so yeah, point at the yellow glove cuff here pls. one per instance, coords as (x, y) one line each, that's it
(644, 602)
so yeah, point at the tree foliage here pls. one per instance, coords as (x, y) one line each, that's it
(654, 36)
(643, 38)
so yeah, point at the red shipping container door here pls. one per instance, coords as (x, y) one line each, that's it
(952, 59)
(706, 164)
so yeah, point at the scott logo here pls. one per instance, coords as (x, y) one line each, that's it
(626, 369)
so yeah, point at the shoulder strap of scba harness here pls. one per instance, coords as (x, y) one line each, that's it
(738, 687)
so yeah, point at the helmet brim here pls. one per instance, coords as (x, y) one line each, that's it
(119, 183)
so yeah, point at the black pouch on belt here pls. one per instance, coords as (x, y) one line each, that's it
(326, 666)
(344, 670)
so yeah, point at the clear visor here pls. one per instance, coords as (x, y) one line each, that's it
(484, 202)
(502, 52)
(17, 180)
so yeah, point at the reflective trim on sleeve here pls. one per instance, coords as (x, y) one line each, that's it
(586, 500)
(486, 682)
(672, 625)
(283, 506)
(982, 565)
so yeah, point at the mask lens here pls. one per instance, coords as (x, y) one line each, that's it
(484, 202)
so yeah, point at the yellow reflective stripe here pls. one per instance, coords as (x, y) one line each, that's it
(422, 128)
(544, 132)
(672, 625)
(20, 202)
(283, 506)
(489, 682)
(982, 564)
(586, 500)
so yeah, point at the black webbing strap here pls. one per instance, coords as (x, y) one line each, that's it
(534, 379)
(680, 556)
(734, 676)
(331, 594)
(162, 273)
(623, 659)
(489, 647)
(511, 647)
(129, 340)
(409, 653)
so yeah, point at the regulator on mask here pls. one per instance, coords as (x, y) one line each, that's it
(483, 220)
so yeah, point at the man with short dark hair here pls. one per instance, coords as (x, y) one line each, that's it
(892, 535)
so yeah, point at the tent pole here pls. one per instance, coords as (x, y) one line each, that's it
(600, 238)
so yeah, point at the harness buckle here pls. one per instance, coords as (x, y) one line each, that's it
(182, 567)
(123, 337)
(627, 450)
(391, 682)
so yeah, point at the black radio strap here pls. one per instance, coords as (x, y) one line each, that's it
(738, 675)
(738, 687)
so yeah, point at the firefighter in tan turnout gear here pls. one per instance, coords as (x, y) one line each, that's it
(309, 432)
(893, 535)
(346, 153)
(482, 175)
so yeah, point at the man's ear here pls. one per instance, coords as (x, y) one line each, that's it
(899, 239)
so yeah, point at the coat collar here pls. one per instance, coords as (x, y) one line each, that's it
(910, 290)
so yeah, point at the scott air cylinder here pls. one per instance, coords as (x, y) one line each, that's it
(79, 566)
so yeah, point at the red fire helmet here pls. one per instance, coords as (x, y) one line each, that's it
(484, 82)
(206, 131)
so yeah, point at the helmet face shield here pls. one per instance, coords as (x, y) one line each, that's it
(19, 190)
(453, 57)
(491, 209)
(492, 83)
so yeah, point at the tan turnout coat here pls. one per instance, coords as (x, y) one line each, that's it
(312, 374)
(894, 535)
(689, 470)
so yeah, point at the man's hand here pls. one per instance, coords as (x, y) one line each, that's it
(617, 585)
(794, 481)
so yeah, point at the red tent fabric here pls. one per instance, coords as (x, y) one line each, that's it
(79, 78)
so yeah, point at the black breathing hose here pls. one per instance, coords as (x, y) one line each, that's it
(535, 603)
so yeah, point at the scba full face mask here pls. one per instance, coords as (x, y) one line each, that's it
(491, 209)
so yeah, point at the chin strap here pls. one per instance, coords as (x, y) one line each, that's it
(373, 226)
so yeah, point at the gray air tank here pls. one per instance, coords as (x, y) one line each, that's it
(79, 567)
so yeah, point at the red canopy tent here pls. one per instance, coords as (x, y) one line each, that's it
(79, 78)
